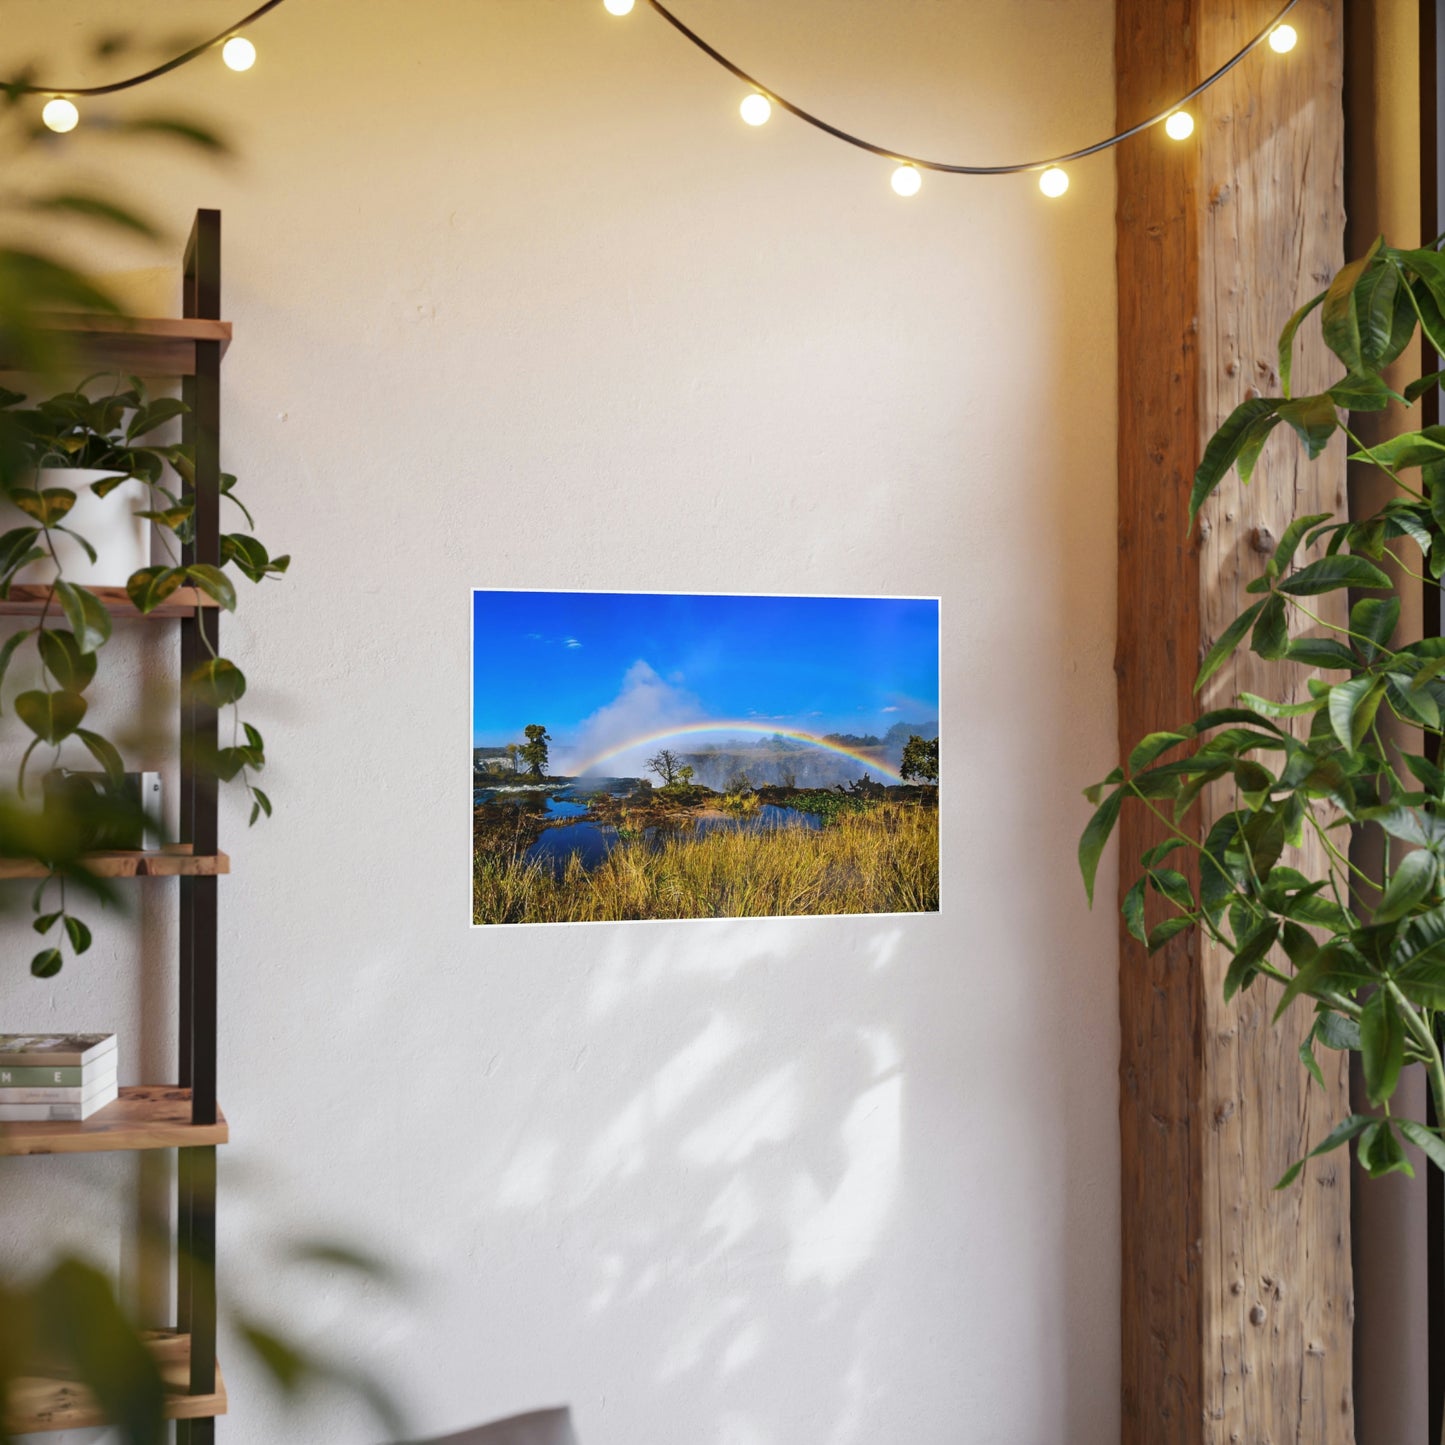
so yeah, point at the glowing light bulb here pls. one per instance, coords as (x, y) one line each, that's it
(1283, 39)
(60, 114)
(1054, 182)
(756, 109)
(239, 53)
(907, 181)
(1179, 126)
(619, 7)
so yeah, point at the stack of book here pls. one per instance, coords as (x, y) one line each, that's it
(58, 1077)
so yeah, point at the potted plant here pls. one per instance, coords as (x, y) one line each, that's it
(98, 444)
(1374, 975)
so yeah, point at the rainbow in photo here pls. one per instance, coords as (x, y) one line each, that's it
(644, 756)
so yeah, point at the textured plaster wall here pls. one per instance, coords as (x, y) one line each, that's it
(519, 302)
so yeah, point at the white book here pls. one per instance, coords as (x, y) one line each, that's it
(58, 1113)
(62, 1094)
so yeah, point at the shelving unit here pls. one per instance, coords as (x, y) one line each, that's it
(183, 1116)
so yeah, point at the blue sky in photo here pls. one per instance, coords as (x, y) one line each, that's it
(593, 665)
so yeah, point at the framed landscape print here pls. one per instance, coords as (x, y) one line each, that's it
(645, 756)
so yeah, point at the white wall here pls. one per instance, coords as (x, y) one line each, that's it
(803, 1182)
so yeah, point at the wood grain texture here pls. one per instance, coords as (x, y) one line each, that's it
(145, 1116)
(149, 346)
(1236, 1300)
(51, 1402)
(176, 861)
(27, 600)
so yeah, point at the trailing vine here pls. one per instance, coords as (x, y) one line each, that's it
(111, 432)
(1374, 973)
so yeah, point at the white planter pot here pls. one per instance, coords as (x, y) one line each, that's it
(122, 540)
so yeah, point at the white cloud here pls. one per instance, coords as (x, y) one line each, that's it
(570, 642)
(645, 705)
(888, 709)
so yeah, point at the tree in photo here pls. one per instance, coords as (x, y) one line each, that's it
(920, 760)
(666, 765)
(534, 751)
(514, 757)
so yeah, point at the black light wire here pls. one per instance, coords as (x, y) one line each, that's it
(175, 63)
(714, 54)
(961, 170)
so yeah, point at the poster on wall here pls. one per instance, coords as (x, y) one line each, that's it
(643, 756)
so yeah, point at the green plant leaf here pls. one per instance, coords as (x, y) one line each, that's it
(1421, 385)
(1361, 393)
(1382, 1046)
(1332, 968)
(1335, 1031)
(1353, 706)
(1331, 573)
(47, 921)
(47, 963)
(1374, 618)
(78, 934)
(1244, 967)
(1271, 630)
(88, 207)
(1224, 448)
(1307, 1056)
(216, 682)
(1313, 419)
(1427, 1141)
(153, 414)
(1342, 1133)
(1163, 932)
(1231, 637)
(51, 716)
(1428, 773)
(1381, 1153)
(1095, 836)
(1148, 748)
(8, 651)
(149, 587)
(1412, 880)
(104, 752)
(89, 621)
(1374, 300)
(214, 583)
(262, 801)
(71, 668)
(1338, 321)
(1320, 652)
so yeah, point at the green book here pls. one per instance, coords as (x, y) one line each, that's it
(70, 1077)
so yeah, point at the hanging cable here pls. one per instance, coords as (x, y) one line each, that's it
(951, 168)
(175, 63)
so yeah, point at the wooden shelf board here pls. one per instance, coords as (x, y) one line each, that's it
(150, 345)
(41, 1402)
(146, 1116)
(178, 861)
(29, 600)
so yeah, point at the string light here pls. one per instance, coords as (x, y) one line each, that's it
(756, 109)
(239, 53)
(907, 180)
(1054, 182)
(60, 114)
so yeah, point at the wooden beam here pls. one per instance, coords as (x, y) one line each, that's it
(1236, 1300)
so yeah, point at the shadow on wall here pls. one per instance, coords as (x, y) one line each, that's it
(746, 1222)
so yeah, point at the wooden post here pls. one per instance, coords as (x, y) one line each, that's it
(1236, 1300)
